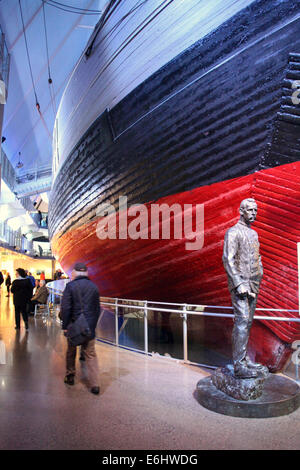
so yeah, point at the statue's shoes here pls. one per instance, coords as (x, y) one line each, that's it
(244, 372)
(256, 365)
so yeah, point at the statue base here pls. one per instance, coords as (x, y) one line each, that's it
(278, 396)
(239, 388)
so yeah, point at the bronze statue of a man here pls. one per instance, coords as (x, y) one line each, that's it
(244, 270)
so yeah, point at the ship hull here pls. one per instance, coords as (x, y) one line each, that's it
(164, 270)
(214, 125)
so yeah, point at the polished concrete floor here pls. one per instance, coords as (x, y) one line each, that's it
(145, 403)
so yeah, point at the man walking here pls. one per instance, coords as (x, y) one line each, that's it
(81, 295)
(244, 270)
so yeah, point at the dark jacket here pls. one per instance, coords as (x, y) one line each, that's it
(22, 291)
(1, 278)
(32, 280)
(241, 257)
(71, 306)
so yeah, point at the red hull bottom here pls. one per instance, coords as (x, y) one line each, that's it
(163, 270)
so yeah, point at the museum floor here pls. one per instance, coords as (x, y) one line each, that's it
(145, 403)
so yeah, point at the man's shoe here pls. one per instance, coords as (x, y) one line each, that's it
(95, 390)
(242, 371)
(260, 368)
(69, 379)
(255, 365)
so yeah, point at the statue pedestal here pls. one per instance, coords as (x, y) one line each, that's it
(249, 398)
(240, 389)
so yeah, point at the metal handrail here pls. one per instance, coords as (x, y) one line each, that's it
(209, 314)
(200, 306)
(184, 312)
(147, 307)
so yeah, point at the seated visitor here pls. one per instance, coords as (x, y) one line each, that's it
(41, 295)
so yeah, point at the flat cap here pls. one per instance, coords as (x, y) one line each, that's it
(80, 267)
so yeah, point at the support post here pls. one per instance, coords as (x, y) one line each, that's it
(145, 328)
(185, 340)
(116, 322)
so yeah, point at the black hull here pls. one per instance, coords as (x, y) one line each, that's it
(207, 116)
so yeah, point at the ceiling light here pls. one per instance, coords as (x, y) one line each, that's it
(19, 164)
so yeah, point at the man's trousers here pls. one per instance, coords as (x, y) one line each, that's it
(89, 353)
(243, 309)
(21, 309)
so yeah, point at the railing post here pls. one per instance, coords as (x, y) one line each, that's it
(146, 327)
(185, 339)
(116, 322)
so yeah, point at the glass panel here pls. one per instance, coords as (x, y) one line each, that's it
(54, 302)
(165, 334)
(131, 326)
(209, 340)
(106, 325)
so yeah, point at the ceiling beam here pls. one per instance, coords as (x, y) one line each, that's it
(44, 68)
(20, 34)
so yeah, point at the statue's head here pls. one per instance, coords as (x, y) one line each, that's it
(248, 210)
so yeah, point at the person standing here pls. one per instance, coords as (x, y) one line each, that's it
(57, 275)
(32, 279)
(21, 289)
(1, 279)
(242, 263)
(8, 283)
(32, 283)
(81, 295)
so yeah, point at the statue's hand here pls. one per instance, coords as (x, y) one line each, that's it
(242, 290)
